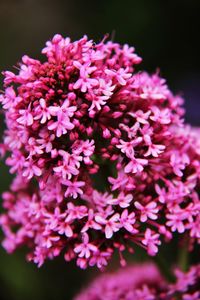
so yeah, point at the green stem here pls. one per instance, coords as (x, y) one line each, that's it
(164, 268)
(183, 258)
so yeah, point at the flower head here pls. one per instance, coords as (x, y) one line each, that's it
(102, 158)
(143, 282)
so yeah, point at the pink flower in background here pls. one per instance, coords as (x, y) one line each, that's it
(102, 157)
(143, 282)
(187, 283)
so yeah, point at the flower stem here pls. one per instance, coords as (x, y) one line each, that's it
(164, 268)
(183, 258)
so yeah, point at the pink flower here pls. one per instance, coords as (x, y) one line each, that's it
(194, 296)
(127, 221)
(143, 282)
(61, 126)
(136, 165)
(63, 113)
(16, 162)
(67, 167)
(76, 212)
(85, 82)
(33, 147)
(121, 75)
(162, 193)
(90, 222)
(53, 220)
(43, 112)
(154, 150)
(66, 228)
(179, 162)
(122, 200)
(176, 220)
(118, 182)
(101, 94)
(151, 241)
(65, 109)
(9, 99)
(84, 249)
(128, 147)
(100, 259)
(73, 188)
(160, 116)
(31, 169)
(48, 240)
(26, 117)
(83, 125)
(150, 211)
(140, 116)
(111, 225)
(194, 227)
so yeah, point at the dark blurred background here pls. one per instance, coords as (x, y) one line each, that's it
(164, 33)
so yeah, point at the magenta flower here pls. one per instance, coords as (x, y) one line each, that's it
(187, 284)
(151, 241)
(143, 282)
(85, 247)
(148, 211)
(102, 157)
(111, 224)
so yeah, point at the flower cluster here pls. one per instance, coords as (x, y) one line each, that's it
(102, 158)
(143, 282)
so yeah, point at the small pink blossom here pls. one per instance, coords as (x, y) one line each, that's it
(43, 112)
(66, 228)
(148, 211)
(176, 220)
(140, 116)
(62, 125)
(121, 75)
(31, 169)
(179, 162)
(90, 222)
(118, 182)
(122, 200)
(48, 240)
(136, 165)
(26, 117)
(66, 168)
(162, 117)
(154, 150)
(127, 221)
(85, 248)
(128, 147)
(85, 81)
(111, 225)
(151, 241)
(73, 188)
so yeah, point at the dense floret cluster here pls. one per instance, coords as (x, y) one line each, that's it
(144, 282)
(102, 158)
